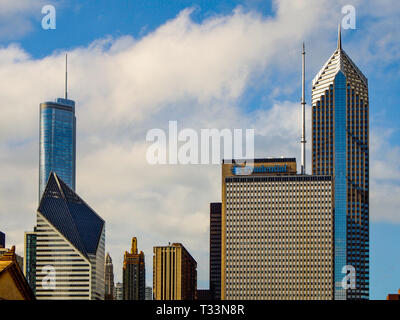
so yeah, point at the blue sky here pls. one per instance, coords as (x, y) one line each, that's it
(259, 81)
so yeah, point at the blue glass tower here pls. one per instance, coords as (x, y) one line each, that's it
(57, 142)
(340, 147)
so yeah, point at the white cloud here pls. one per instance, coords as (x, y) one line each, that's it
(16, 17)
(385, 176)
(196, 73)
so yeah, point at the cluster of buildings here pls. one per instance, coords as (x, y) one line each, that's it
(277, 234)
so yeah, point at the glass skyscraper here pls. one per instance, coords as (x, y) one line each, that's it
(57, 140)
(30, 259)
(340, 147)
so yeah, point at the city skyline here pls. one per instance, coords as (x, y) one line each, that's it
(114, 141)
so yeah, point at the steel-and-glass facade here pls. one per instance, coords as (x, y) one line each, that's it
(30, 259)
(57, 142)
(340, 147)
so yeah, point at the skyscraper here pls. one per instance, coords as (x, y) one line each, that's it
(134, 274)
(174, 273)
(57, 141)
(149, 293)
(277, 233)
(340, 147)
(119, 291)
(109, 278)
(70, 243)
(2, 240)
(215, 250)
(30, 259)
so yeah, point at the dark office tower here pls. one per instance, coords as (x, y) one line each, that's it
(215, 249)
(30, 259)
(2, 240)
(57, 141)
(70, 242)
(109, 279)
(340, 147)
(134, 274)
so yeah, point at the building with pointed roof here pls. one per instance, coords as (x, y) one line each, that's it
(109, 278)
(70, 245)
(13, 285)
(340, 147)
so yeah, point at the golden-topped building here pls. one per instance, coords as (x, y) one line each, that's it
(13, 284)
(134, 274)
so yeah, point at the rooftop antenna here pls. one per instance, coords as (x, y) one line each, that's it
(303, 113)
(66, 75)
(339, 40)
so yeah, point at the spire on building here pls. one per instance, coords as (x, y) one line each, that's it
(66, 76)
(134, 246)
(303, 113)
(339, 40)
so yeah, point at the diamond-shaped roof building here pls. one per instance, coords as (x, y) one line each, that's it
(71, 216)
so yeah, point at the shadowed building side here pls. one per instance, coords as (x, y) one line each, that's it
(215, 250)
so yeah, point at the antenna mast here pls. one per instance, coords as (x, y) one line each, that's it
(303, 113)
(66, 75)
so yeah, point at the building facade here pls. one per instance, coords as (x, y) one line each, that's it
(149, 293)
(215, 250)
(57, 142)
(108, 279)
(2, 240)
(70, 244)
(277, 233)
(174, 273)
(30, 259)
(13, 285)
(204, 294)
(134, 274)
(119, 291)
(393, 296)
(340, 147)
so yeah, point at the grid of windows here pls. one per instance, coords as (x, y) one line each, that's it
(57, 142)
(278, 238)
